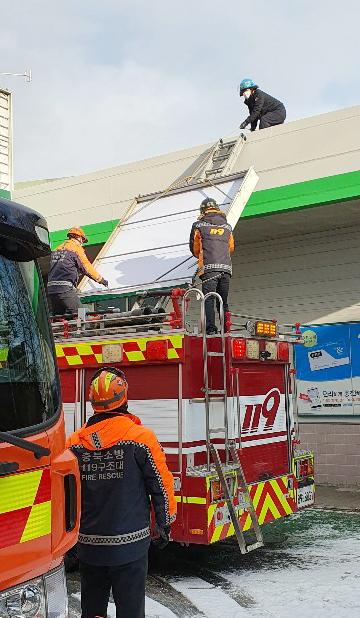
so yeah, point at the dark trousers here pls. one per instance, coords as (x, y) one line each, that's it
(272, 118)
(64, 302)
(127, 582)
(213, 281)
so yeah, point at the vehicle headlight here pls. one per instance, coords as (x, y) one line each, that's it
(25, 601)
(43, 597)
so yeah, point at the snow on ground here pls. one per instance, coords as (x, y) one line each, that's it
(309, 568)
(325, 583)
(209, 599)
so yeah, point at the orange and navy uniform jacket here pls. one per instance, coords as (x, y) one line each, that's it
(123, 471)
(67, 263)
(212, 242)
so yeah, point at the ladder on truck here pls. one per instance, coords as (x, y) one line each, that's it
(231, 454)
(223, 157)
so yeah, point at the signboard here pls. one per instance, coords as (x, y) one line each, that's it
(328, 370)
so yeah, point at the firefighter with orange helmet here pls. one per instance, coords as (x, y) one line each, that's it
(67, 263)
(123, 472)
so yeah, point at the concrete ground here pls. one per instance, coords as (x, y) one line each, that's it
(338, 498)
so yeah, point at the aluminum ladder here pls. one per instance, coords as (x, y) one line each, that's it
(231, 455)
(223, 158)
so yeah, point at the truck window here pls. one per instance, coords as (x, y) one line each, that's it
(29, 387)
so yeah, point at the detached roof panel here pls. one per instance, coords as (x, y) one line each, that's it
(152, 246)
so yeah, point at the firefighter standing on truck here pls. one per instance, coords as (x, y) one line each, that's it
(123, 470)
(67, 263)
(212, 242)
(262, 107)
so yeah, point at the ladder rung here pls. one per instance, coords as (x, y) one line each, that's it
(216, 170)
(217, 430)
(215, 354)
(254, 546)
(211, 392)
(221, 157)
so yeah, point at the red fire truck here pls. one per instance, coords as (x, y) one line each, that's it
(220, 405)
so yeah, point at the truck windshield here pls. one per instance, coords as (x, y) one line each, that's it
(29, 388)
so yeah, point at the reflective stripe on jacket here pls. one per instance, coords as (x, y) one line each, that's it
(123, 471)
(67, 263)
(212, 242)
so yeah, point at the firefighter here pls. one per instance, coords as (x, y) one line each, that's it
(67, 263)
(212, 242)
(263, 107)
(123, 471)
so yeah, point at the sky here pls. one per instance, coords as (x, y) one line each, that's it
(116, 81)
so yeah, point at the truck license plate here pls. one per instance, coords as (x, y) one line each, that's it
(305, 496)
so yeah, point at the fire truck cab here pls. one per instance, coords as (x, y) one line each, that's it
(222, 407)
(39, 488)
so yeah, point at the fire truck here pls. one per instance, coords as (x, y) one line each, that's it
(222, 406)
(39, 488)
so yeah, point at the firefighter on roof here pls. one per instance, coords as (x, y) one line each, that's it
(67, 263)
(262, 107)
(212, 242)
(122, 468)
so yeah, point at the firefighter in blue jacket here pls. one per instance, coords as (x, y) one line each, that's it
(122, 470)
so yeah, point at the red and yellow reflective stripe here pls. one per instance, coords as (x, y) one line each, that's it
(78, 354)
(25, 507)
(271, 499)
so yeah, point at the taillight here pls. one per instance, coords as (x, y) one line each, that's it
(156, 350)
(267, 329)
(283, 351)
(239, 348)
(304, 468)
(271, 348)
(216, 491)
(252, 349)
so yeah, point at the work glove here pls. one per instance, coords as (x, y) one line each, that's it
(160, 536)
(104, 282)
(243, 125)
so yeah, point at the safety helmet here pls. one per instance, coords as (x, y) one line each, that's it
(245, 84)
(77, 231)
(108, 389)
(207, 203)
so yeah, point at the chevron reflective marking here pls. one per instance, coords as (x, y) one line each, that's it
(271, 499)
(85, 354)
(25, 507)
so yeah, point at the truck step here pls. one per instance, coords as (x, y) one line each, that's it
(254, 546)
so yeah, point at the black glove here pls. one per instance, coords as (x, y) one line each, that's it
(104, 282)
(160, 536)
(243, 125)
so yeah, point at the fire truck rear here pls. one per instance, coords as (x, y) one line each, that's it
(221, 405)
(38, 479)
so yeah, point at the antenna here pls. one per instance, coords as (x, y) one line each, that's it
(27, 75)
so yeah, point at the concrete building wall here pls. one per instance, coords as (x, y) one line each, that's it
(306, 149)
(107, 194)
(303, 150)
(336, 447)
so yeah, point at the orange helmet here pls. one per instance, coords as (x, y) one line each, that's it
(108, 389)
(77, 231)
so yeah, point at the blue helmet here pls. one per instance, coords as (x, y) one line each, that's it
(245, 84)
